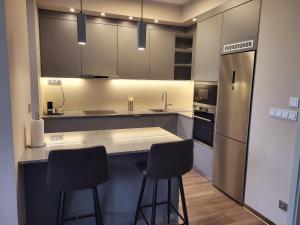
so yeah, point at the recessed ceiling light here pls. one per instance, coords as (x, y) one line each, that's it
(103, 14)
(72, 10)
(194, 19)
(156, 21)
(130, 17)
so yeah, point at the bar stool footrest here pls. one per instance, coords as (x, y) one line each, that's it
(161, 203)
(79, 217)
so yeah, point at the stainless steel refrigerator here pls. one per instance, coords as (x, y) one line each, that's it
(232, 123)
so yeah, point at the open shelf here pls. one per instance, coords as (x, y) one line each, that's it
(183, 57)
(182, 65)
(186, 50)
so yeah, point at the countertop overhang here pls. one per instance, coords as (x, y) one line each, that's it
(81, 114)
(116, 142)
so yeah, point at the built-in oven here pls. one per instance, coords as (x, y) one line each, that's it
(205, 101)
(204, 125)
(205, 94)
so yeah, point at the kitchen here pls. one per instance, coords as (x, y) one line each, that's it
(192, 70)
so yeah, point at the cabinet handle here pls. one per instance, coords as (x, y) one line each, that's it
(202, 118)
(233, 80)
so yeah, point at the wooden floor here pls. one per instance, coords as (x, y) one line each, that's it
(208, 206)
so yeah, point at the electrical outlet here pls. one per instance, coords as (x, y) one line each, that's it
(54, 82)
(283, 206)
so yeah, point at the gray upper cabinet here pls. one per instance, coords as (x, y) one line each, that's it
(206, 66)
(99, 55)
(162, 54)
(60, 52)
(241, 23)
(132, 63)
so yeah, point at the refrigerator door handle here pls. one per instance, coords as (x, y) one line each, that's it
(233, 80)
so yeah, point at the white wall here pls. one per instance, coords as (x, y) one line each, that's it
(8, 203)
(84, 94)
(19, 75)
(277, 78)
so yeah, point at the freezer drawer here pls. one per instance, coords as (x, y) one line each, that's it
(234, 95)
(229, 167)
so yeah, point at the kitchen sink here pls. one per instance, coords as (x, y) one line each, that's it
(99, 112)
(158, 110)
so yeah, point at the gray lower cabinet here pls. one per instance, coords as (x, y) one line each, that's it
(162, 55)
(207, 49)
(60, 52)
(132, 63)
(136, 121)
(81, 124)
(167, 122)
(185, 127)
(241, 23)
(99, 55)
(203, 159)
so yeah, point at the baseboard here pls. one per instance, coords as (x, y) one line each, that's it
(259, 215)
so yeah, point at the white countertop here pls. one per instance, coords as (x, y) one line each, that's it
(117, 142)
(120, 112)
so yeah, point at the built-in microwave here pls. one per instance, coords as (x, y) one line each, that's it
(205, 94)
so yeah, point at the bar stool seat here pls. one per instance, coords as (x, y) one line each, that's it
(165, 161)
(73, 170)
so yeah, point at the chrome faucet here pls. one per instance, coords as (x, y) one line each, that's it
(164, 98)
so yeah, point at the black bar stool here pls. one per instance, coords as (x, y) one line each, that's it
(166, 161)
(72, 170)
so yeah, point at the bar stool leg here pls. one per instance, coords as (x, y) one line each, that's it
(169, 200)
(140, 200)
(98, 214)
(61, 208)
(182, 195)
(154, 202)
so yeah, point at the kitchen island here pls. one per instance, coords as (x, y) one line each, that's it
(118, 197)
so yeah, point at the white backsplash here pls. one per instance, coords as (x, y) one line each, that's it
(83, 94)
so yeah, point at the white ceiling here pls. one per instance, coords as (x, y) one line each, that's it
(178, 2)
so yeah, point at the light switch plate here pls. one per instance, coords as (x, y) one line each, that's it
(278, 113)
(285, 114)
(272, 112)
(293, 115)
(294, 102)
(54, 82)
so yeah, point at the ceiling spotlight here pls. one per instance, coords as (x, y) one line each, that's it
(72, 10)
(103, 14)
(130, 17)
(194, 19)
(156, 21)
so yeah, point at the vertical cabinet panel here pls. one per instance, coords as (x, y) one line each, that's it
(99, 56)
(162, 54)
(203, 159)
(167, 122)
(60, 52)
(207, 52)
(132, 63)
(241, 23)
(185, 127)
(136, 121)
(81, 124)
